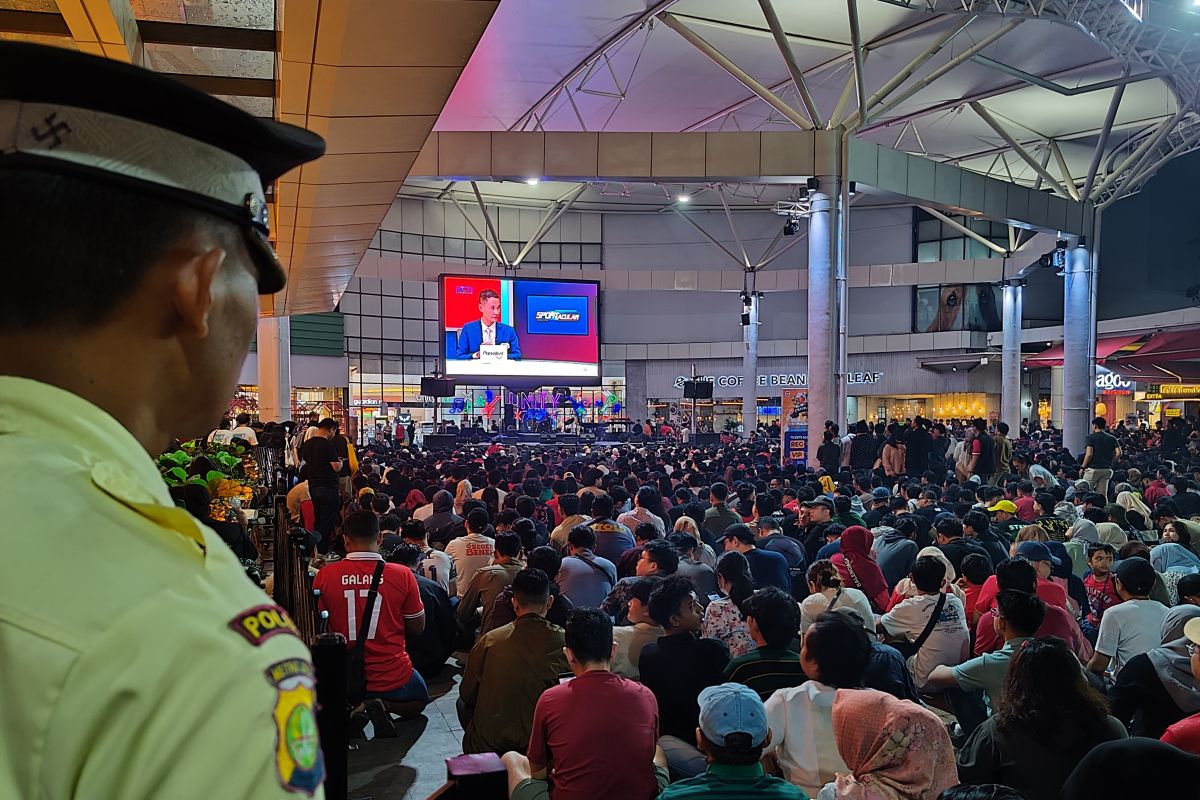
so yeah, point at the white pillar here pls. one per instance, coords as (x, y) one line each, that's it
(1010, 402)
(1077, 361)
(1056, 395)
(750, 369)
(824, 232)
(274, 369)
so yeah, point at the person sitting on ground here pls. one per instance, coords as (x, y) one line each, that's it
(435, 564)
(772, 618)
(947, 642)
(701, 573)
(571, 518)
(234, 533)
(857, 566)
(1185, 734)
(1135, 767)
(980, 680)
(642, 630)
(508, 669)
(768, 568)
(478, 601)
(1132, 626)
(596, 706)
(656, 558)
(612, 538)
(1043, 561)
(473, 551)
(393, 686)
(719, 516)
(548, 561)
(724, 618)
(889, 743)
(1049, 719)
(833, 654)
(975, 571)
(430, 648)
(585, 577)
(704, 553)
(1156, 689)
(732, 735)
(677, 667)
(895, 549)
(956, 546)
(828, 593)
(626, 563)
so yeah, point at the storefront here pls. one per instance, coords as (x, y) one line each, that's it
(327, 401)
(1167, 401)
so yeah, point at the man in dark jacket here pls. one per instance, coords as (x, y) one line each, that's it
(443, 519)
(433, 646)
(954, 546)
(917, 446)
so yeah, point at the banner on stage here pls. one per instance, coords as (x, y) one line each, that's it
(794, 415)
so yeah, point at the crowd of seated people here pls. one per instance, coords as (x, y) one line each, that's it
(661, 620)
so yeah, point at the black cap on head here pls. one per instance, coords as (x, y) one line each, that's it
(66, 112)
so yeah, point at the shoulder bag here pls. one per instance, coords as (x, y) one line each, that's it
(356, 669)
(908, 649)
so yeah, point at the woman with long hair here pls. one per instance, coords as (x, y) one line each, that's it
(491, 498)
(857, 566)
(1048, 719)
(688, 525)
(829, 593)
(724, 619)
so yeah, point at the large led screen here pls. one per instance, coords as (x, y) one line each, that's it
(498, 328)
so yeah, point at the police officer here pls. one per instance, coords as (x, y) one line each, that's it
(136, 659)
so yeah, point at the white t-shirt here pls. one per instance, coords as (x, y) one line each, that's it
(424, 512)
(1129, 629)
(817, 604)
(802, 738)
(245, 432)
(470, 553)
(437, 567)
(478, 494)
(948, 644)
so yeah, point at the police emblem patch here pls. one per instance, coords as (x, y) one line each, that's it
(258, 624)
(298, 758)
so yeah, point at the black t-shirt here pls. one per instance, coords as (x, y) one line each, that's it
(1104, 446)
(676, 668)
(318, 453)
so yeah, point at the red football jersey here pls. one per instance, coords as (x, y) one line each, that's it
(344, 586)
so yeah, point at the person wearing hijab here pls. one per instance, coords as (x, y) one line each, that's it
(857, 566)
(1050, 718)
(1185, 734)
(1131, 502)
(1156, 689)
(1133, 768)
(461, 495)
(906, 588)
(414, 500)
(894, 749)
(1174, 557)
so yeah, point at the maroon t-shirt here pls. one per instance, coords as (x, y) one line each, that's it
(597, 734)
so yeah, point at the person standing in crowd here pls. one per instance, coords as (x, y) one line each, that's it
(508, 669)
(130, 303)
(676, 668)
(1050, 718)
(732, 735)
(1003, 452)
(321, 469)
(1101, 448)
(393, 686)
(595, 706)
(981, 460)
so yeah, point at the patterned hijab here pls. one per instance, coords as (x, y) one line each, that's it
(895, 749)
(1172, 662)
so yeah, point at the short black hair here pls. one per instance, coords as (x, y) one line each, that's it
(589, 635)
(737, 757)
(976, 568)
(508, 544)
(531, 587)
(545, 558)
(775, 613)
(390, 522)
(116, 236)
(949, 527)
(683, 542)
(582, 536)
(1016, 573)
(646, 532)
(602, 506)
(380, 503)
(361, 526)
(667, 598)
(643, 588)
(1189, 586)
(977, 521)
(719, 491)
(928, 572)
(406, 555)
(664, 555)
(568, 504)
(477, 520)
(413, 529)
(1024, 611)
(841, 649)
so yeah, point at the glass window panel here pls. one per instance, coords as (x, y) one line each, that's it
(475, 250)
(592, 254)
(928, 230)
(433, 245)
(977, 250)
(928, 251)
(981, 226)
(390, 241)
(455, 248)
(551, 253)
(411, 243)
(571, 254)
(952, 249)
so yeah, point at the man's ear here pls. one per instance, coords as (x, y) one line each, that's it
(192, 294)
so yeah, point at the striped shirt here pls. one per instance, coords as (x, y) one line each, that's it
(766, 669)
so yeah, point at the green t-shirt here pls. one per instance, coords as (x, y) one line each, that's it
(728, 782)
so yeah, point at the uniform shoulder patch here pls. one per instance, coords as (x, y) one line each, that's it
(258, 624)
(298, 759)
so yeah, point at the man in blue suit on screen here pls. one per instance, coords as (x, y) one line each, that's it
(487, 330)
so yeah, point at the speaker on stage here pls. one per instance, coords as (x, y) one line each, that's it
(437, 387)
(441, 441)
(705, 439)
(697, 390)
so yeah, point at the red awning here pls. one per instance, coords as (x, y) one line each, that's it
(1053, 356)
(1169, 346)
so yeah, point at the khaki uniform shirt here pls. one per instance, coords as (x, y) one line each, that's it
(136, 658)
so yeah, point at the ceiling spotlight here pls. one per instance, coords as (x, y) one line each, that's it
(954, 369)
(791, 227)
(1048, 344)
(853, 188)
(532, 181)
(683, 198)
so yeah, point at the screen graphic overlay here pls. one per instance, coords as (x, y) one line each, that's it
(498, 328)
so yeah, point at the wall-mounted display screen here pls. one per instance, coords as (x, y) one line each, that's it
(956, 307)
(498, 328)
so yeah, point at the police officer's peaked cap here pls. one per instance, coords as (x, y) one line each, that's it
(68, 112)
